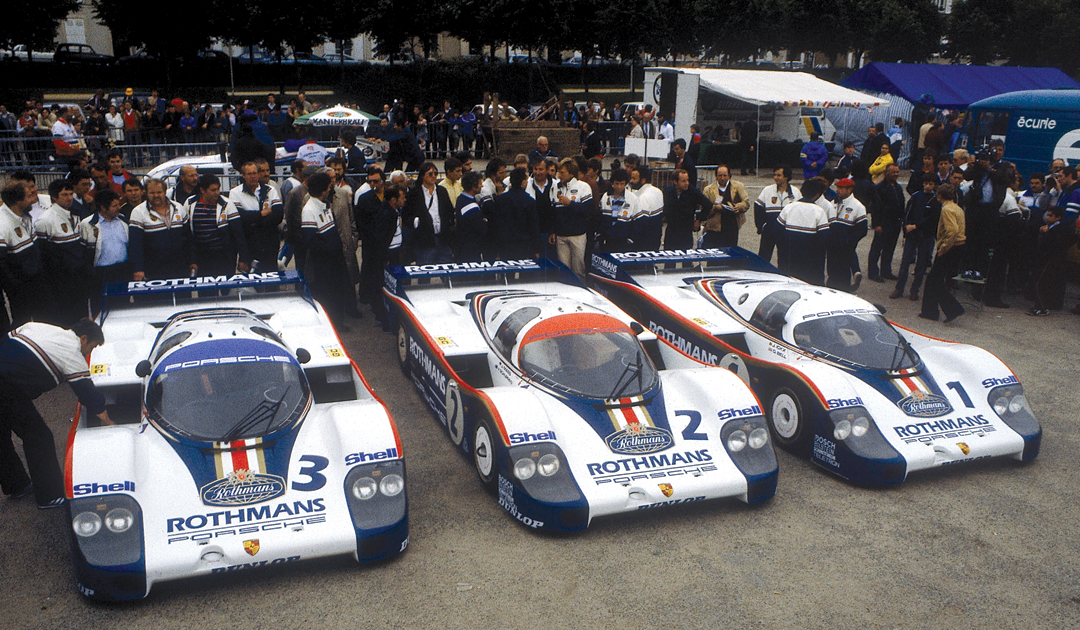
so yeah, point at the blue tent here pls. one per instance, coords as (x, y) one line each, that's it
(953, 86)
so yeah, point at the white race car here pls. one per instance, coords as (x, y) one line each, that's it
(245, 437)
(569, 409)
(866, 399)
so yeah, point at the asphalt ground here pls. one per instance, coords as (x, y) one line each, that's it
(987, 545)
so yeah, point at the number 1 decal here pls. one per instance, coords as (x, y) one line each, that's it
(691, 432)
(959, 389)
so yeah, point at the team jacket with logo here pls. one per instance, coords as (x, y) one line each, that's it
(156, 249)
(770, 202)
(650, 222)
(572, 219)
(20, 257)
(37, 357)
(58, 235)
(260, 232)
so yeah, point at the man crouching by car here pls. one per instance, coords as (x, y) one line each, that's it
(34, 359)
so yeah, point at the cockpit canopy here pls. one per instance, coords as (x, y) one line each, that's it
(572, 348)
(223, 390)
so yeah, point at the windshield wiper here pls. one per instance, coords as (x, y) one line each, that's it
(265, 411)
(907, 350)
(634, 367)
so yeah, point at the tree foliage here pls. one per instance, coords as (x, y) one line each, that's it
(34, 24)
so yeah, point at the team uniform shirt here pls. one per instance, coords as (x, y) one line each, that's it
(803, 240)
(38, 357)
(487, 192)
(159, 245)
(20, 257)
(58, 234)
(472, 228)
(179, 196)
(64, 131)
(617, 218)
(40, 206)
(105, 241)
(649, 224)
(319, 230)
(770, 202)
(313, 154)
(260, 232)
(847, 222)
(572, 219)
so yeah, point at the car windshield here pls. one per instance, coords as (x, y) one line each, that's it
(601, 364)
(864, 339)
(219, 401)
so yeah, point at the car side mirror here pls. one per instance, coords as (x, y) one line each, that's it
(881, 308)
(302, 355)
(143, 369)
(637, 328)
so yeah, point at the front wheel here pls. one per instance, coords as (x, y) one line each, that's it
(403, 349)
(790, 425)
(485, 454)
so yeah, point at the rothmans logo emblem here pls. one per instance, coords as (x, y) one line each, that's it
(243, 487)
(251, 546)
(639, 439)
(924, 405)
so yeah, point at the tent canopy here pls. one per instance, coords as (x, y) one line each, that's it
(953, 86)
(761, 87)
(336, 116)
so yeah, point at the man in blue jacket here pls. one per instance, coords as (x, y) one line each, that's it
(813, 156)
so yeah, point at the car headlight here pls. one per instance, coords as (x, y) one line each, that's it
(86, 524)
(524, 468)
(118, 520)
(1010, 404)
(364, 488)
(554, 484)
(392, 485)
(736, 441)
(758, 437)
(548, 465)
(860, 425)
(842, 429)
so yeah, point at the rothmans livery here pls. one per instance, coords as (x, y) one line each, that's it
(245, 437)
(568, 408)
(866, 399)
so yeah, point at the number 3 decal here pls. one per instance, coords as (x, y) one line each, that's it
(318, 480)
(691, 432)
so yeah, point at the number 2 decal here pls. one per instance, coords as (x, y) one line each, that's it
(318, 480)
(691, 432)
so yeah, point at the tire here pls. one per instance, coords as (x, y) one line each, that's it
(403, 349)
(486, 455)
(789, 422)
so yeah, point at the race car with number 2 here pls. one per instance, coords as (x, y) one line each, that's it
(245, 437)
(864, 398)
(569, 409)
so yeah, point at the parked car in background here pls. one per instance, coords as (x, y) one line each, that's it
(20, 53)
(81, 54)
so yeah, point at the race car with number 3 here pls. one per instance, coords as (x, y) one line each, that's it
(864, 398)
(569, 409)
(245, 437)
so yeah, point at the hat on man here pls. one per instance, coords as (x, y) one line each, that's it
(846, 182)
(129, 92)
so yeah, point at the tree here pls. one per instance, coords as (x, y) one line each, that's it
(181, 37)
(34, 24)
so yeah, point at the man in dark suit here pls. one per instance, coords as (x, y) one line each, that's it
(683, 160)
(428, 219)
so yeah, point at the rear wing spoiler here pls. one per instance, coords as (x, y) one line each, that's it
(397, 278)
(120, 294)
(620, 266)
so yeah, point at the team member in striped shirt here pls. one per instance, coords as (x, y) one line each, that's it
(57, 232)
(472, 227)
(216, 230)
(325, 269)
(33, 360)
